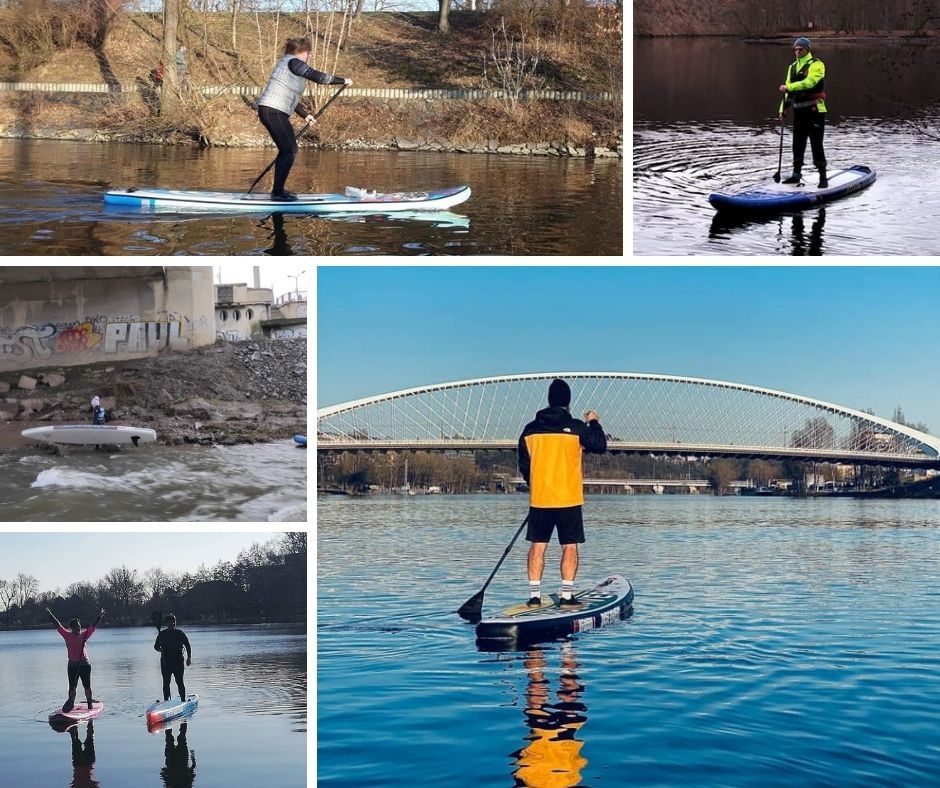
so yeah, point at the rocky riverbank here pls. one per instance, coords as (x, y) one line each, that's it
(227, 393)
(560, 148)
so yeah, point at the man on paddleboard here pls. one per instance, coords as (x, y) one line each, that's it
(170, 643)
(79, 666)
(550, 449)
(805, 91)
(281, 97)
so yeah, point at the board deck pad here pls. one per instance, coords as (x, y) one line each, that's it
(601, 604)
(78, 713)
(362, 201)
(163, 710)
(770, 196)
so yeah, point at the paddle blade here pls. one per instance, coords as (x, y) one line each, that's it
(157, 618)
(472, 609)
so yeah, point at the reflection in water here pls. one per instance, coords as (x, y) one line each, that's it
(179, 770)
(552, 758)
(83, 758)
(802, 242)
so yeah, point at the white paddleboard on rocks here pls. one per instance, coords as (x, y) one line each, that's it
(91, 434)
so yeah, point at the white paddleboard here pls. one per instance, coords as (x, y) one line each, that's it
(163, 710)
(91, 434)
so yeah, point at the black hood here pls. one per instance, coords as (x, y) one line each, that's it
(553, 417)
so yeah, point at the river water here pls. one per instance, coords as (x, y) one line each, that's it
(773, 642)
(705, 121)
(253, 482)
(249, 729)
(51, 203)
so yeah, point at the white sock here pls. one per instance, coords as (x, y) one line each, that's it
(567, 588)
(535, 588)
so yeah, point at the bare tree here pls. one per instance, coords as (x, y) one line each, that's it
(26, 587)
(124, 588)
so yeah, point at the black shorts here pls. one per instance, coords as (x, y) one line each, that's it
(568, 521)
(79, 670)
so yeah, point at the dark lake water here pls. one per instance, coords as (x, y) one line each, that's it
(774, 642)
(251, 482)
(705, 121)
(51, 203)
(249, 728)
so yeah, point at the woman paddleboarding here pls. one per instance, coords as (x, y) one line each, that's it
(79, 666)
(280, 97)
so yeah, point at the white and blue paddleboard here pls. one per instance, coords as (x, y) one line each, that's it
(91, 434)
(164, 710)
(778, 197)
(520, 625)
(353, 201)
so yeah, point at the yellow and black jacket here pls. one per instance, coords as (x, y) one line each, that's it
(806, 85)
(550, 457)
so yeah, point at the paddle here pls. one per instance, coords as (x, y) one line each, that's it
(472, 609)
(299, 135)
(156, 617)
(780, 157)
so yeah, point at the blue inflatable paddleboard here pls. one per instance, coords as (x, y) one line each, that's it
(778, 197)
(301, 440)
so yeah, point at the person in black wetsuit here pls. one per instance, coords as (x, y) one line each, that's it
(170, 643)
(280, 97)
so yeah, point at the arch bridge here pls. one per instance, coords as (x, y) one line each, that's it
(641, 414)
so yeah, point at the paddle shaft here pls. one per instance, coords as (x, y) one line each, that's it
(298, 136)
(470, 609)
(780, 157)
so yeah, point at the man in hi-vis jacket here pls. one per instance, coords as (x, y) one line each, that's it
(805, 91)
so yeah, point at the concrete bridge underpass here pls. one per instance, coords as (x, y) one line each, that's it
(641, 414)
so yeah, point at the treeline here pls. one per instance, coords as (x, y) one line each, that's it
(776, 17)
(491, 471)
(267, 583)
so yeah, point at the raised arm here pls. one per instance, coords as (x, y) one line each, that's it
(157, 646)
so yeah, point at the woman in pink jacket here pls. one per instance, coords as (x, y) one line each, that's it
(79, 666)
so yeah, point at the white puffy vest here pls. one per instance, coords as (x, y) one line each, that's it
(284, 88)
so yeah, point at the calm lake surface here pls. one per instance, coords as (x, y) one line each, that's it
(249, 728)
(51, 203)
(774, 642)
(252, 482)
(705, 121)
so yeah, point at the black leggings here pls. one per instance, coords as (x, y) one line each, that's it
(278, 125)
(79, 670)
(174, 669)
(812, 126)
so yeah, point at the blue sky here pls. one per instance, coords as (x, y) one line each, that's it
(58, 559)
(863, 337)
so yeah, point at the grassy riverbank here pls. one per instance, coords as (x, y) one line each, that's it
(576, 52)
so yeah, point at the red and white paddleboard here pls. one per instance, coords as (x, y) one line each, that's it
(78, 713)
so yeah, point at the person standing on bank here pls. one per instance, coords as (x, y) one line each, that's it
(550, 449)
(170, 643)
(805, 91)
(281, 97)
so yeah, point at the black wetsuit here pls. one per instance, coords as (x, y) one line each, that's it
(170, 643)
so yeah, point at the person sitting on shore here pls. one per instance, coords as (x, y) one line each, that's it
(79, 666)
(170, 643)
(98, 414)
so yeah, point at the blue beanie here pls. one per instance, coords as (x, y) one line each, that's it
(802, 41)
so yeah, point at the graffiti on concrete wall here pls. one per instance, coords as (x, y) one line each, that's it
(296, 332)
(99, 335)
